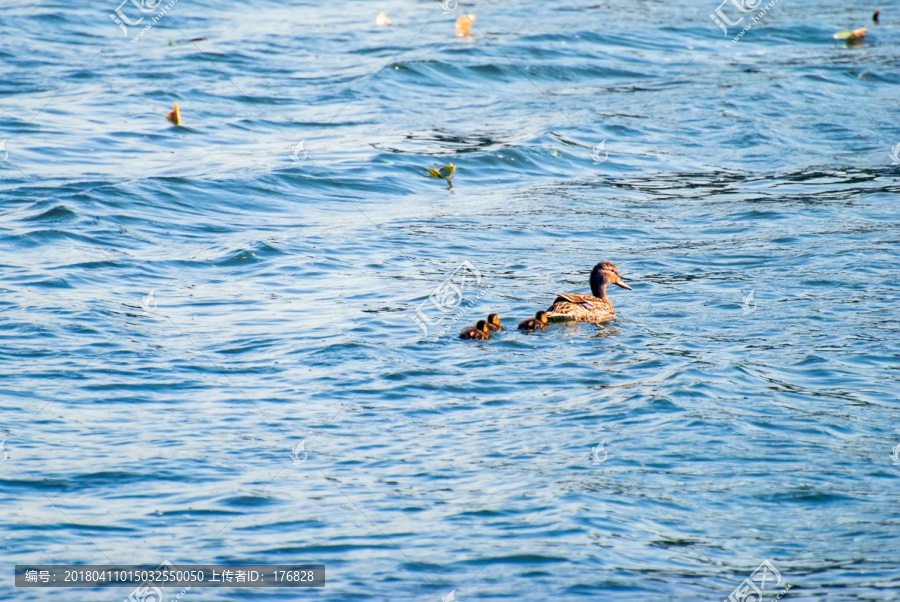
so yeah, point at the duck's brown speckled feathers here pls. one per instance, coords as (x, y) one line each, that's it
(575, 306)
(538, 322)
(589, 308)
(493, 322)
(480, 332)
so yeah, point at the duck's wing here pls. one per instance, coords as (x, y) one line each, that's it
(586, 301)
(575, 306)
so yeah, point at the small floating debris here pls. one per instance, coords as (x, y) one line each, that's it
(851, 36)
(173, 42)
(382, 20)
(174, 115)
(875, 16)
(463, 24)
(444, 173)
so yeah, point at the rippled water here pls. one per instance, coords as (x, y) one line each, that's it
(735, 427)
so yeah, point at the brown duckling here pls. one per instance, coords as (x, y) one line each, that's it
(494, 322)
(538, 322)
(479, 331)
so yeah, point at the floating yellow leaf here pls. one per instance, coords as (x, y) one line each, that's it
(856, 34)
(444, 173)
(382, 19)
(463, 24)
(174, 115)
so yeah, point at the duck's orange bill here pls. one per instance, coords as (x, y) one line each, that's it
(623, 285)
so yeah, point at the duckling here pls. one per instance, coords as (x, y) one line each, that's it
(538, 322)
(595, 307)
(479, 331)
(493, 323)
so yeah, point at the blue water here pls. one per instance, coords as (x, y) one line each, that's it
(735, 427)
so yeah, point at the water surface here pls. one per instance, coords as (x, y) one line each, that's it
(745, 396)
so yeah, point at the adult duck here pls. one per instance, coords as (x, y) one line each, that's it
(595, 307)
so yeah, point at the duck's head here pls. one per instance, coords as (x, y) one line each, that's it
(605, 273)
(494, 319)
(541, 317)
(482, 326)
